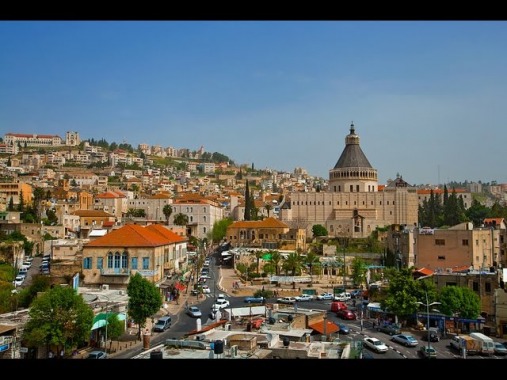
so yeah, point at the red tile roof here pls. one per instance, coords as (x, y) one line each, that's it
(165, 232)
(330, 327)
(132, 235)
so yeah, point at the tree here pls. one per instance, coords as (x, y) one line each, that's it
(401, 298)
(358, 269)
(219, 230)
(311, 260)
(268, 208)
(458, 300)
(248, 204)
(144, 300)
(58, 318)
(319, 230)
(167, 211)
(115, 327)
(180, 219)
(11, 204)
(276, 259)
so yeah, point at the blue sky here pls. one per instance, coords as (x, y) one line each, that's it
(427, 98)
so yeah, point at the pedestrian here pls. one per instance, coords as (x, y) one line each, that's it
(50, 354)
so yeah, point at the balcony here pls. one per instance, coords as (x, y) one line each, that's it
(115, 271)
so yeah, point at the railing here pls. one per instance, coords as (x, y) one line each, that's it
(115, 271)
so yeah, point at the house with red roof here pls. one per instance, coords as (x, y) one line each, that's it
(152, 251)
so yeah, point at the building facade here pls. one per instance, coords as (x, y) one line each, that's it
(354, 204)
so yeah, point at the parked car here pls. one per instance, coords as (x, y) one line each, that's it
(389, 329)
(343, 297)
(500, 349)
(357, 293)
(344, 329)
(346, 314)
(325, 296)
(289, 300)
(18, 281)
(375, 344)
(97, 355)
(427, 352)
(254, 299)
(194, 311)
(304, 297)
(405, 339)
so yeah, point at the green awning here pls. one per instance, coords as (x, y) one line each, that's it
(100, 319)
(267, 257)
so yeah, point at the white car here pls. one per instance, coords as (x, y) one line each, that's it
(375, 345)
(206, 289)
(19, 280)
(304, 297)
(286, 300)
(220, 304)
(343, 297)
(325, 296)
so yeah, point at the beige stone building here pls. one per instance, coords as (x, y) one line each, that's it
(354, 203)
(152, 251)
(268, 233)
(441, 250)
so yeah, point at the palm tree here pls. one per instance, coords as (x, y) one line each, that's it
(311, 260)
(276, 259)
(268, 208)
(180, 219)
(167, 211)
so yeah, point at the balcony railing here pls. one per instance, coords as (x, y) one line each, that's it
(115, 271)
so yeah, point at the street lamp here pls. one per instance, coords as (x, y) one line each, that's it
(428, 314)
(105, 338)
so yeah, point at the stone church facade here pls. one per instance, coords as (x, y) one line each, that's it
(354, 204)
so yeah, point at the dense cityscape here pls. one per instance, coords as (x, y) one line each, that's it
(115, 226)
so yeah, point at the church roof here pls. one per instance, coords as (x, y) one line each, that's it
(352, 155)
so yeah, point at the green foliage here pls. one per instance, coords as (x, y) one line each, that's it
(180, 219)
(59, 317)
(167, 210)
(459, 300)
(144, 299)
(401, 298)
(319, 230)
(219, 229)
(115, 327)
(358, 269)
(38, 285)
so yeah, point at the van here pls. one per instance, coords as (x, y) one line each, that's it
(487, 345)
(162, 324)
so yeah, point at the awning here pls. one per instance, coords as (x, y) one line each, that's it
(331, 327)
(374, 306)
(100, 319)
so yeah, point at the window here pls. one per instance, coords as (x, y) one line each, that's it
(146, 263)
(100, 262)
(439, 241)
(475, 286)
(441, 258)
(464, 242)
(87, 263)
(133, 263)
(487, 287)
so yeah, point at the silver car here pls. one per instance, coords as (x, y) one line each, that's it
(405, 339)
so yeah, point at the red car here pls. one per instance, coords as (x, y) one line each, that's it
(346, 314)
